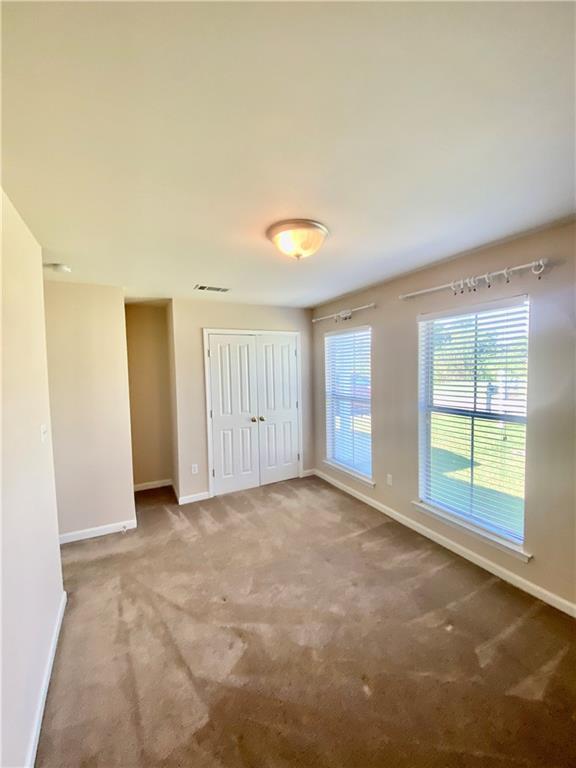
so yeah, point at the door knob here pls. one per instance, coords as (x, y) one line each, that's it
(253, 418)
(262, 418)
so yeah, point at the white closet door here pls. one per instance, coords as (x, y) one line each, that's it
(234, 412)
(277, 407)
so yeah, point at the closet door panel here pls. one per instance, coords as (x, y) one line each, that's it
(278, 407)
(234, 395)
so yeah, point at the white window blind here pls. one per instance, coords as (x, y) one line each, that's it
(473, 384)
(348, 400)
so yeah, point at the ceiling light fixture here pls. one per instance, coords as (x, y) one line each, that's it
(298, 238)
(57, 266)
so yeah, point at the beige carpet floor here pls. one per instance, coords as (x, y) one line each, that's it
(292, 625)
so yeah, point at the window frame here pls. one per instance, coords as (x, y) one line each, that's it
(360, 476)
(426, 408)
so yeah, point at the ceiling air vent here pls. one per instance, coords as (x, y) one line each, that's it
(213, 288)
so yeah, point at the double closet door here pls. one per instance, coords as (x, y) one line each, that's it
(253, 409)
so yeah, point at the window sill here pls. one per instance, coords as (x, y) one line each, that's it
(516, 550)
(346, 471)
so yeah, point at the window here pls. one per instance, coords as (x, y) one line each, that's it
(473, 381)
(348, 400)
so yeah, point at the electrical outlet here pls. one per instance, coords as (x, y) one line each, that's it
(388, 479)
(194, 469)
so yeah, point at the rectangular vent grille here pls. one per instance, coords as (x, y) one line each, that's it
(213, 288)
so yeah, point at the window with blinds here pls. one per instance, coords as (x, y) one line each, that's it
(473, 382)
(348, 400)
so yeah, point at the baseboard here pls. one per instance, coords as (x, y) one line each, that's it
(99, 530)
(194, 497)
(566, 606)
(307, 472)
(35, 735)
(152, 484)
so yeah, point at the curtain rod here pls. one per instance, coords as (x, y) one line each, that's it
(344, 314)
(471, 283)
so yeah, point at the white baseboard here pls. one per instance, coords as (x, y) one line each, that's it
(152, 484)
(194, 497)
(307, 472)
(99, 530)
(518, 581)
(35, 735)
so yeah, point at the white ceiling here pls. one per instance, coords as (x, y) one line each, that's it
(150, 145)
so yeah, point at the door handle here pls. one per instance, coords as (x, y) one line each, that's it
(262, 418)
(253, 418)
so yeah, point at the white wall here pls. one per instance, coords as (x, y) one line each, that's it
(32, 594)
(88, 374)
(551, 429)
(188, 318)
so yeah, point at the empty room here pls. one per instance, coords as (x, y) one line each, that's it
(288, 384)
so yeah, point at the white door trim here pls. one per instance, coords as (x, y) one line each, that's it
(206, 332)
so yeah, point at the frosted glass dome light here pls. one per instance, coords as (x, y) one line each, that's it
(298, 238)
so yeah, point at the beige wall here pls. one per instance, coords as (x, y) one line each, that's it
(149, 379)
(550, 492)
(88, 374)
(32, 594)
(188, 320)
(173, 399)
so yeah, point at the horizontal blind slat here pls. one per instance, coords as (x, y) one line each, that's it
(473, 372)
(348, 399)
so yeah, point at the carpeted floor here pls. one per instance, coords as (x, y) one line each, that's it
(292, 625)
